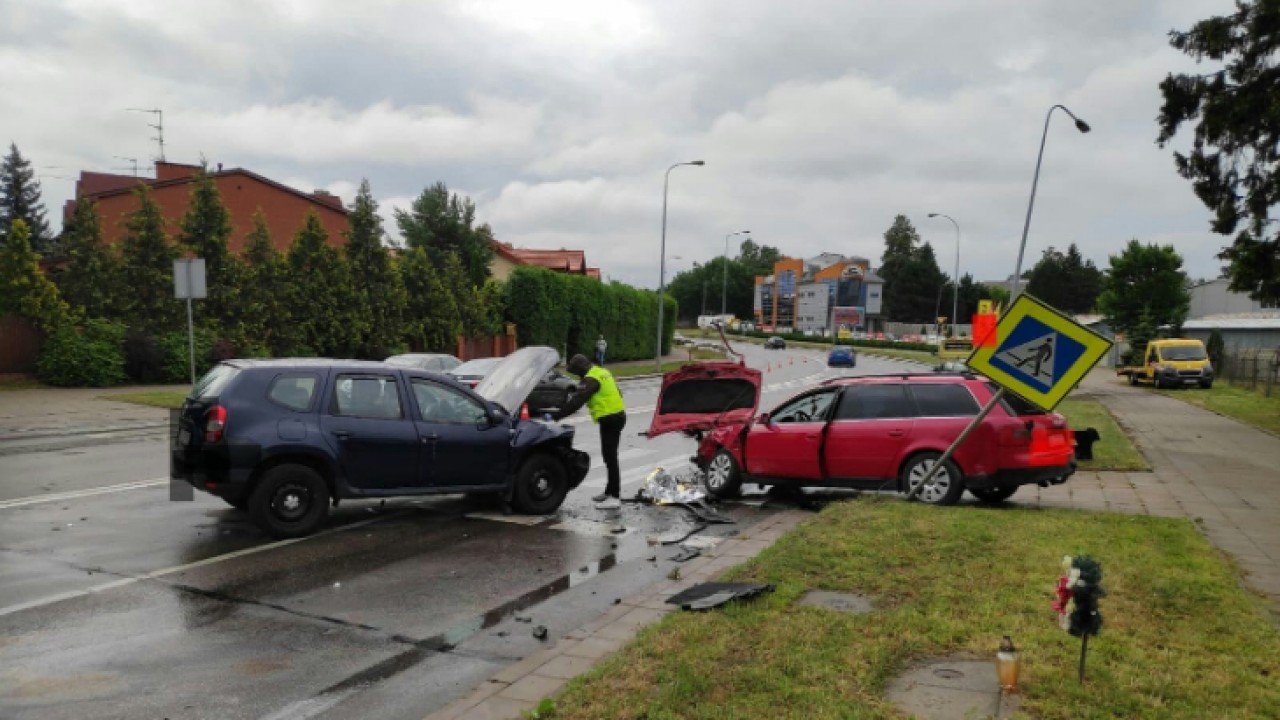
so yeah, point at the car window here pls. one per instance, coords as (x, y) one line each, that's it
(439, 404)
(367, 396)
(810, 408)
(949, 400)
(293, 390)
(214, 381)
(873, 402)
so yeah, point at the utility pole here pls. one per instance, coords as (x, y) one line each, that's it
(159, 127)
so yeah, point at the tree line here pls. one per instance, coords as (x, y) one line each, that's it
(361, 299)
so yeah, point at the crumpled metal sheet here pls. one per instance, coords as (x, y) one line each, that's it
(663, 488)
(714, 594)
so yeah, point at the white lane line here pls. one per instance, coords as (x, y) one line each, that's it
(123, 582)
(306, 709)
(60, 497)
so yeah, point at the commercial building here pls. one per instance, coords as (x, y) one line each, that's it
(800, 294)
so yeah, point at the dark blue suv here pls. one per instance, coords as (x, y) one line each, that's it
(283, 439)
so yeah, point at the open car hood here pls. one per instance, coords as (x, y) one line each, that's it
(510, 383)
(700, 396)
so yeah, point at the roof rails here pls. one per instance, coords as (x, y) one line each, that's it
(966, 374)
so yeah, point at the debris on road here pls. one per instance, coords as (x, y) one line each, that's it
(714, 594)
(540, 632)
(662, 488)
(686, 553)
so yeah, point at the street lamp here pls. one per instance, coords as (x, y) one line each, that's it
(955, 278)
(662, 258)
(724, 285)
(1083, 127)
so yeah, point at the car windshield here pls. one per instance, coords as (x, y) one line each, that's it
(476, 367)
(1183, 352)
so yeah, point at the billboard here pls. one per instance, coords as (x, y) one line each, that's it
(848, 316)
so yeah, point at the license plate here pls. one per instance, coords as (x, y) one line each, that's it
(184, 436)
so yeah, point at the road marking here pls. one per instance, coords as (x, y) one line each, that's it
(304, 709)
(155, 574)
(59, 497)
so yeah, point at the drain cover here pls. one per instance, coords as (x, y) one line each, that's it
(840, 602)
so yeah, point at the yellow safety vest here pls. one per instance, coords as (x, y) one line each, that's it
(607, 400)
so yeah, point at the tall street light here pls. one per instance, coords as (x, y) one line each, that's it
(724, 285)
(662, 258)
(1083, 127)
(955, 278)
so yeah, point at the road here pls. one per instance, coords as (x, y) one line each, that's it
(117, 602)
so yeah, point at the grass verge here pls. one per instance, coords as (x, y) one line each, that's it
(19, 382)
(1181, 638)
(621, 371)
(1239, 403)
(1114, 449)
(155, 398)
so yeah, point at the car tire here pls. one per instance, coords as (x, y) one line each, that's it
(1133, 378)
(541, 485)
(290, 501)
(947, 486)
(994, 495)
(722, 478)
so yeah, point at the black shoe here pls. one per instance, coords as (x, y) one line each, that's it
(600, 498)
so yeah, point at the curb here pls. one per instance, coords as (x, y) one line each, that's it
(42, 433)
(519, 687)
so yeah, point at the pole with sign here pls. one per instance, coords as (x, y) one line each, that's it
(189, 284)
(1038, 354)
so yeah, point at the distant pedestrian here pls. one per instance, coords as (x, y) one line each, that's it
(601, 346)
(600, 394)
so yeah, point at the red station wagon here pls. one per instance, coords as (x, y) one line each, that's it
(876, 432)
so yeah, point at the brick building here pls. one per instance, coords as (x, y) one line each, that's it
(243, 193)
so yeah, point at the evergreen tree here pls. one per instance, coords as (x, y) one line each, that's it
(24, 290)
(381, 295)
(92, 278)
(148, 269)
(205, 230)
(441, 223)
(20, 200)
(1216, 348)
(1066, 281)
(912, 280)
(322, 303)
(264, 294)
(431, 318)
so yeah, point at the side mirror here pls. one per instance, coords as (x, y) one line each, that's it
(763, 419)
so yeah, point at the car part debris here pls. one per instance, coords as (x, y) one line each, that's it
(663, 488)
(686, 553)
(540, 632)
(714, 594)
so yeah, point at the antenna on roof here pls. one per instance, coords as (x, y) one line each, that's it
(132, 160)
(159, 127)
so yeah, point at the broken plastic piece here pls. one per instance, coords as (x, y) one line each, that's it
(540, 632)
(686, 553)
(714, 594)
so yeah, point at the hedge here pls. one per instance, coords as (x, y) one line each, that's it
(801, 337)
(569, 312)
(91, 355)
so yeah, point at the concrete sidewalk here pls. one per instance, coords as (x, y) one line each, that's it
(39, 411)
(1222, 474)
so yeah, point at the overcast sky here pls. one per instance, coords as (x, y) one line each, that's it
(819, 121)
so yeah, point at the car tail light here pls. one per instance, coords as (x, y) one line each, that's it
(215, 423)
(1015, 435)
(1057, 422)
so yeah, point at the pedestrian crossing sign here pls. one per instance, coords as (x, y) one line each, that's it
(1040, 354)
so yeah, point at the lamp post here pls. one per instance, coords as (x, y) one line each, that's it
(1083, 127)
(662, 259)
(937, 303)
(724, 285)
(955, 278)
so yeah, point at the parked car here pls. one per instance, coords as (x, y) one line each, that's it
(431, 362)
(775, 343)
(875, 432)
(552, 393)
(285, 438)
(842, 356)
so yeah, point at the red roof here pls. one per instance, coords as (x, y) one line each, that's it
(570, 261)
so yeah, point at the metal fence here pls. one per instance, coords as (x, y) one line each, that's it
(1254, 368)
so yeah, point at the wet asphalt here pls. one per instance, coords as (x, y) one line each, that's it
(117, 602)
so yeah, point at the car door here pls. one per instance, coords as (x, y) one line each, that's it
(787, 446)
(460, 445)
(367, 424)
(871, 425)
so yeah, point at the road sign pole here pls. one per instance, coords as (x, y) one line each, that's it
(191, 342)
(937, 467)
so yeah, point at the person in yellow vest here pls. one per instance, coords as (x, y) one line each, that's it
(603, 400)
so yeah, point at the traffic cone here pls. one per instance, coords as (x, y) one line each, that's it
(524, 411)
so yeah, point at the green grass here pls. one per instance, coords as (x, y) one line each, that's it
(1240, 403)
(20, 383)
(155, 398)
(1114, 449)
(1181, 638)
(634, 369)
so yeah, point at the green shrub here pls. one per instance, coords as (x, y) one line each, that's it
(143, 359)
(91, 355)
(176, 350)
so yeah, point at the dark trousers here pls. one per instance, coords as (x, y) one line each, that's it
(610, 435)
